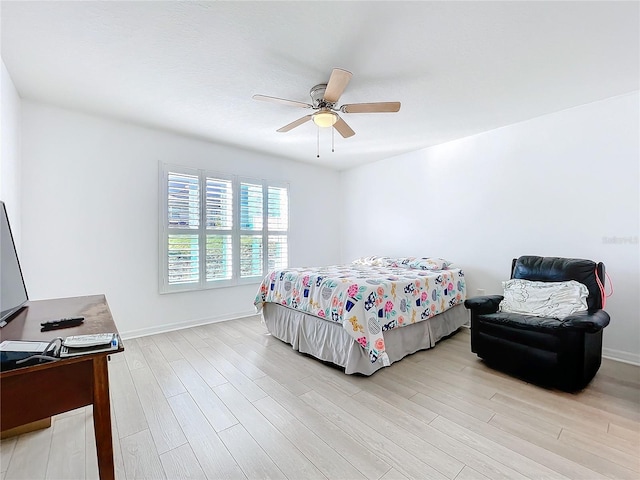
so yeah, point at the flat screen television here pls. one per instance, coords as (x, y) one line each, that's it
(13, 293)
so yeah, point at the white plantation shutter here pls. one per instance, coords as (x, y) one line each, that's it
(278, 208)
(183, 201)
(251, 220)
(251, 206)
(184, 259)
(251, 256)
(183, 204)
(278, 253)
(219, 220)
(219, 203)
(219, 230)
(219, 264)
(278, 228)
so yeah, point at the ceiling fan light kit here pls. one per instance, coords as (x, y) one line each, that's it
(325, 119)
(324, 97)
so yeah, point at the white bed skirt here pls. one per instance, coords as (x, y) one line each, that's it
(329, 341)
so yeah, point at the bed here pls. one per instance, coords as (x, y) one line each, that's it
(365, 315)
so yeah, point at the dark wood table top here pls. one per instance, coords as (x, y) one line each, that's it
(94, 309)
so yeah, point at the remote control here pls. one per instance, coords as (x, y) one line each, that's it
(62, 323)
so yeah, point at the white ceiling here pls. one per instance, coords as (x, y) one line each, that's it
(459, 68)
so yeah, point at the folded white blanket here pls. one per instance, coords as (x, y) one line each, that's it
(544, 299)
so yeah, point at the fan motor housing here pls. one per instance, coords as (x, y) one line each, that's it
(317, 96)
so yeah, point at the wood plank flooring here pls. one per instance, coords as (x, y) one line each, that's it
(228, 401)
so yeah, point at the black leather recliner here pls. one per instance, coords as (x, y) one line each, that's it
(563, 353)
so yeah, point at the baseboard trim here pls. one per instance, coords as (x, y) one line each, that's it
(609, 353)
(143, 332)
(620, 356)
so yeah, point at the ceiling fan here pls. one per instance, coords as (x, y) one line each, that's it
(324, 98)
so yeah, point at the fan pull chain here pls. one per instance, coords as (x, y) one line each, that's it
(333, 131)
(318, 155)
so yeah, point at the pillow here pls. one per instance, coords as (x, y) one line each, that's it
(431, 263)
(544, 299)
(424, 263)
(373, 260)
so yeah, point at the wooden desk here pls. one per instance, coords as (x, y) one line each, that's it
(32, 393)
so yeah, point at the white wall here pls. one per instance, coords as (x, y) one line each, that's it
(10, 152)
(90, 215)
(565, 184)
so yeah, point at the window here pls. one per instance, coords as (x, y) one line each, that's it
(220, 230)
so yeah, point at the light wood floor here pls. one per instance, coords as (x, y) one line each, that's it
(228, 401)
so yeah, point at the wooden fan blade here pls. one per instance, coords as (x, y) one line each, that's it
(343, 129)
(337, 83)
(298, 122)
(293, 103)
(371, 107)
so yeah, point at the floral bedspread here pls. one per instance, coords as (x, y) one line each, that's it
(367, 297)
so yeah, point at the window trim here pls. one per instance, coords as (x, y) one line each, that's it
(235, 231)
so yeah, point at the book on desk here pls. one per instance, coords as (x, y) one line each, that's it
(86, 344)
(14, 354)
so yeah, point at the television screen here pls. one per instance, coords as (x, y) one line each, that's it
(13, 293)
